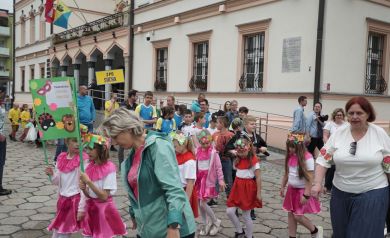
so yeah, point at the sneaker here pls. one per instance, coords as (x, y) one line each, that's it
(208, 227)
(253, 215)
(215, 227)
(212, 203)
(4, 192)
(320, 232)
(202, 230)
(239, 235)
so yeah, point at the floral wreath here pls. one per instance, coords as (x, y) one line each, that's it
(203, 137)
(179, 137)
(90, 139)
(295, 137)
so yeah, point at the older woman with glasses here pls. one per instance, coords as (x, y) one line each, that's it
(338, 120)
(360, 194)
(158, 204)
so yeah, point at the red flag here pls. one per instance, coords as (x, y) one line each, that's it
(49, 11)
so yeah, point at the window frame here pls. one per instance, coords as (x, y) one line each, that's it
(157, 45)
(380, 28)
(196, 39)
(246, 30)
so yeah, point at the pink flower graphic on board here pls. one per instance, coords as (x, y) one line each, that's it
(53, 106)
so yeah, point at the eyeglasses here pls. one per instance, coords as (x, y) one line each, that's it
(352, 150)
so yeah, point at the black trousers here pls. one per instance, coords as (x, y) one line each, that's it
(315, 143)
(3, 150)
(329, 177)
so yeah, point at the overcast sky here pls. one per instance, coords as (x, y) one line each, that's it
(6, 4)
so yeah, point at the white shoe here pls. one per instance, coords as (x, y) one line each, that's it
(202, 230)
(209, 225)
(215, 227)
(320, 233)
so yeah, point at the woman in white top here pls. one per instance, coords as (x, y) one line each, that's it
(361, 152)
(338, 120)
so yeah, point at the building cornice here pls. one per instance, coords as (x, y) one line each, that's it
(381, 2)
(32, 56)
(156, 4)
(33, 44)
(198, 14)
(19, 5)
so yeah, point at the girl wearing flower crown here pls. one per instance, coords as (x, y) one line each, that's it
(209, 171)
(100, 217)
(187, 167)
(66, 177)
(299, 167)
(246, 192)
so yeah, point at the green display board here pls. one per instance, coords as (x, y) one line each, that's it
(54, 101)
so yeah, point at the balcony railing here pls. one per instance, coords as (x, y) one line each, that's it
(4, 52)
(375, 85)
(100, 25)
(4, 31)
(251, 82)
(198, 83)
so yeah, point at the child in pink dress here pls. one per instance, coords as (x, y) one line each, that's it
(209, 171)
(299, 168)
(99, 215)
(66, 177)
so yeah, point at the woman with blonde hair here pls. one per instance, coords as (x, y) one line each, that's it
(158, 204)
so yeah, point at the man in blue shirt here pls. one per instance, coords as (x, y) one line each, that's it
(195, 107)
(204, 107)
(146, 111)
(299, 120)
(86, 108)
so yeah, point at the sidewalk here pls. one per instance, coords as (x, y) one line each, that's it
(29, 209)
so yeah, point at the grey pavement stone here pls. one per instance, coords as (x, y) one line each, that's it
(42, 217)
(8, 229)
(23, 213)
(27, 234)
(31, 205)
(13, 220)
(7, 208)
(35, 225)
(38, 199)
(15, 201)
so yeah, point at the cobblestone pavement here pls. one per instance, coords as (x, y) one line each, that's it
(29, 209)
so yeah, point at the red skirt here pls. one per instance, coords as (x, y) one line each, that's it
(102, 219)
(65, 221)
(244, 195)
(194, 201)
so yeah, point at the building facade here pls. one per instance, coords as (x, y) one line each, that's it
(6, 54)
(263, 52)
(34, 39)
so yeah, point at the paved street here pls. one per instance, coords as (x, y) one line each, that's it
(28, 211)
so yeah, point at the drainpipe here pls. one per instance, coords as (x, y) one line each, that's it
(13, 55)
(320, 30)
(131, 47)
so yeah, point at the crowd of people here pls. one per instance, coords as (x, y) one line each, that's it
(181, 159)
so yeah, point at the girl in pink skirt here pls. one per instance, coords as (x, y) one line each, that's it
(66, 177)
(299, 167)
(99, 215)
(209, 172)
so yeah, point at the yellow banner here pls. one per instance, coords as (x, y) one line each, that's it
(110, 77)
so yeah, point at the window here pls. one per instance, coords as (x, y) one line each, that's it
(22, 72)
(253, 53)
(23, 34)
(375, 83)
(32, 29)
(32, 72)
(161, 69)
(200, 65)
(253, 68)
(42, 71)
(199, 61)
(377, 62)
(2, 65)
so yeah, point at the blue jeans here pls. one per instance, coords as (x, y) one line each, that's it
(359, 215)
(227, 167)
(61, 147)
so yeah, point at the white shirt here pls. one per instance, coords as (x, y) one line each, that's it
(69, 183)
(195, 130)
(107, 183)
(293, 174)
(332, 126)
(211, 130)
(247, 173)
(186, 129)
(187, 171)
(363, 171)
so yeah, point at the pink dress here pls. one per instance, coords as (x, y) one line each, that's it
(65, 221)
(296, 189)
(203, 158)
(102, 219)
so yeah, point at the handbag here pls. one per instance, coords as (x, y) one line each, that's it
(31, 134)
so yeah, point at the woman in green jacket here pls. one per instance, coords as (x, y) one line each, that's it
(159, 206)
